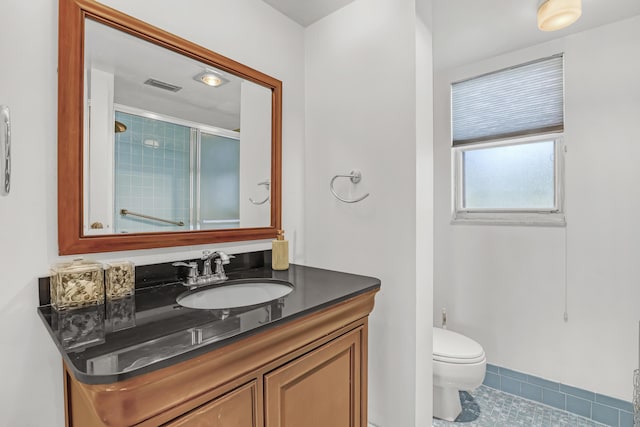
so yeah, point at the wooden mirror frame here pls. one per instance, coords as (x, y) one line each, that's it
(71, 238)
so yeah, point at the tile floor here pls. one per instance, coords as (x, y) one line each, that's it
(493, 408)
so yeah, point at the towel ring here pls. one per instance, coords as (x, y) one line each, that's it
(267, 184)
(355, 176)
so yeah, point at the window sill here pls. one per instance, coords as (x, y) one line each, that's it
(554, 219)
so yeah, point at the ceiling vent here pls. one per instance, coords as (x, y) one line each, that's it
(162, 85)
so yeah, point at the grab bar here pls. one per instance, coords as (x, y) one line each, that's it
(153, 218)
(267, 184)
(5, 151)
(355, 176)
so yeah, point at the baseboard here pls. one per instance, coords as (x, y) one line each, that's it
(586, 403)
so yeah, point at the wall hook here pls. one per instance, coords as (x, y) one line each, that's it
(355, 176)
(5, 151)
(267, 184)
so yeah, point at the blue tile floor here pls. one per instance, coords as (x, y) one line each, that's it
(493, 408)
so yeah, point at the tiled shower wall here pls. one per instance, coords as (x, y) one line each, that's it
(151, 178)
(598, 407)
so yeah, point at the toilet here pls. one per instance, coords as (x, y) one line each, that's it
(459, 363)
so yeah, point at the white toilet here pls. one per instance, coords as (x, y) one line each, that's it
(459, 363)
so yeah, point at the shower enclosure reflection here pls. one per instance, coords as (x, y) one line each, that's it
(179, 173)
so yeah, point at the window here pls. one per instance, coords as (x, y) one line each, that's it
(507, 145)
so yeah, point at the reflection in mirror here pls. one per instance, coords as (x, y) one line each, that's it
(170, 143)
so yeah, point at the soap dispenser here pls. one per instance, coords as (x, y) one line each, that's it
(280, 252)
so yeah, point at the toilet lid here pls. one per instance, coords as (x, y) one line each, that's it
(452, 347)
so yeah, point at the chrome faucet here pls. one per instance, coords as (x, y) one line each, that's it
(206, 266)
(208, 277)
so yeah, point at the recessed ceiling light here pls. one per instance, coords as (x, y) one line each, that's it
(557, 14)
(210, 78)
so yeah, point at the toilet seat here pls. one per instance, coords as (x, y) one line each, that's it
(452, 347)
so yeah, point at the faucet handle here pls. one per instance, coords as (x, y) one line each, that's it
(223, 257)
(220, 269)
(193, 268)
(221, 260)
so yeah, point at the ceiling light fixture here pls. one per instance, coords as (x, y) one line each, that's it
(210, 78)
(557, 14)
(152, 143)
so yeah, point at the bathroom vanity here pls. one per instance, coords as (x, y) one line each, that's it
(300, 360)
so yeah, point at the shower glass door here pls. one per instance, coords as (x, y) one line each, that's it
(218, 182)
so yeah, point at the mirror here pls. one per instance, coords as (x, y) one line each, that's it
(161, 142)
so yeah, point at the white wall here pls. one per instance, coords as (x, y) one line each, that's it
(255, 155)
(424, 216)
(246, 30)
(504, 286)
(99, 148)
(361, 111)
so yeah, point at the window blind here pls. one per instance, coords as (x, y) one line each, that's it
(523, 100)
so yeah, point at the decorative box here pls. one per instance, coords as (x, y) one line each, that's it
(120, 279)
(76, 284)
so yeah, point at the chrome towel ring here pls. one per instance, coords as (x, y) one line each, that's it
(355, 176)
(267, 184)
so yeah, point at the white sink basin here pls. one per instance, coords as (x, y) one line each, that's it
(235, 294)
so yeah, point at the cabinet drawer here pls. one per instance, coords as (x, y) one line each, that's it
(237, 408)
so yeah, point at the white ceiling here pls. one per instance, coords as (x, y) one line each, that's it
(306, 12)
(132, 61)
(465, 31)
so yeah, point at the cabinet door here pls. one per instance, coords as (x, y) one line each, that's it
(238, 408)
(323, 388)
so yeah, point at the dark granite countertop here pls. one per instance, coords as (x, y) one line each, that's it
(149, 331)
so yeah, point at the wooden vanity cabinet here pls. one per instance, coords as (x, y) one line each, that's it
(309, 372)
(322, 388)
